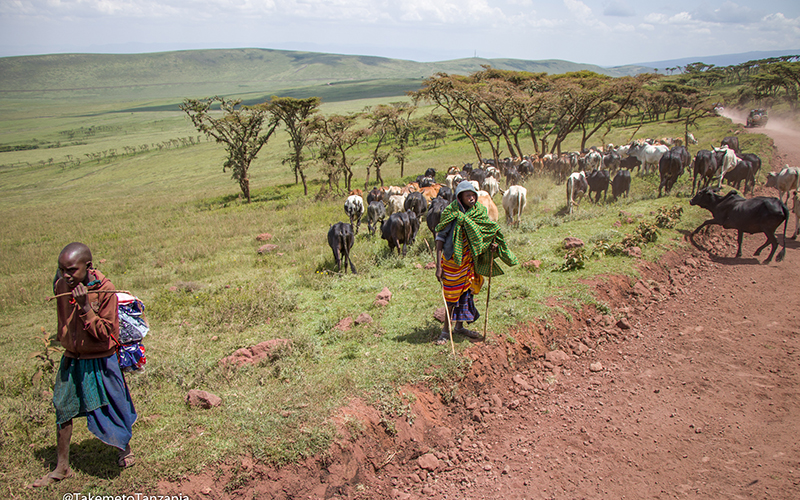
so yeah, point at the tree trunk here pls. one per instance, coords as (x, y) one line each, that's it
(244, 183)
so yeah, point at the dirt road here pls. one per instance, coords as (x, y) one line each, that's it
(693, 394)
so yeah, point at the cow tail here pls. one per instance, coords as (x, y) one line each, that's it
(782, 253)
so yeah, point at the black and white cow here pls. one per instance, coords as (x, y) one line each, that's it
(576, 188)
(354, 208)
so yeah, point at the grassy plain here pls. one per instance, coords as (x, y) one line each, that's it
(170, 218)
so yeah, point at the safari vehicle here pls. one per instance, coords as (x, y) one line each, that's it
(757, 118)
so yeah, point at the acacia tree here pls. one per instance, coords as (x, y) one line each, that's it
(402, 129)
(335, 136)
(295, 114)
(381, 119)
(450, 93)
(239, 129)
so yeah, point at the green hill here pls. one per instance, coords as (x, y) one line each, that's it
(200, 73)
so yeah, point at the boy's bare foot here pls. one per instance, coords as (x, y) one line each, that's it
(50, 478)
(126, 458)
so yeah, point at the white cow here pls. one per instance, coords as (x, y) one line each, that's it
(796, 211)
(354, 208)
(648, 154)
(577, 186)
(452, 180)
(514, 201)
(788, 179)
(396, 203)
(491, 186)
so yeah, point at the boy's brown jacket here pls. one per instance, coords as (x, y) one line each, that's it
(90, 335)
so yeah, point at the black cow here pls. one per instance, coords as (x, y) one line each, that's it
(477, 174)
(743, 171)
(513, 177)
(755, 215)
(670, 167)
(400, 227)
(683, 153)
(416, 203)
(705, 165)
(376, 212)
(630, 162)
(755, 162)
(375, 194)
(446, 193)
(431, 172)
(732, 142)
(525, 169)
(598, 182)
(340, 239)
(612, 161)
(434, 213)
(621, 184)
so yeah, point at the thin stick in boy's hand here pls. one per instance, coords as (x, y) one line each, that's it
(93, 291)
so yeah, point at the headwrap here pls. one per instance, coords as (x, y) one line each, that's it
(480, 232)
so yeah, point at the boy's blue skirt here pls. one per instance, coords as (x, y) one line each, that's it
(96, 389)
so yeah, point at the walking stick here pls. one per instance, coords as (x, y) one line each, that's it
(488, 292)
(449, 324)
(446, 310)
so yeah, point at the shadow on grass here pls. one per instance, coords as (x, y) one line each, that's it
(428, 333)
(91, 457)
(423, 334)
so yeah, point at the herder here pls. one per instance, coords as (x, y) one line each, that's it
(89, 381)
(466, 240)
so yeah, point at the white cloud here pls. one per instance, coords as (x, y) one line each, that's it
(578, 9)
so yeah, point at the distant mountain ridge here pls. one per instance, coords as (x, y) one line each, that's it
(234, 68)
(255, 74)
(720, 60)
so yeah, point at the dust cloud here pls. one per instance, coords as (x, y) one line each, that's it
(779, 124)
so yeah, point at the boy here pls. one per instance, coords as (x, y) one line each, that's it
(89, 381)
(465, 240)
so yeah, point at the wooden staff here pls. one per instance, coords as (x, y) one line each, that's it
(90, 291)
(449, 324)
(446, 310)
(488, 292)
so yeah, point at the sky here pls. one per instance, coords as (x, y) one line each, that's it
(602, 32)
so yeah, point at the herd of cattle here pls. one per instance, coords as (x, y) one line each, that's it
(397, 211)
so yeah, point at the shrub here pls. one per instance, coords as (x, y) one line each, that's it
(574, 259)
(667, 218)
